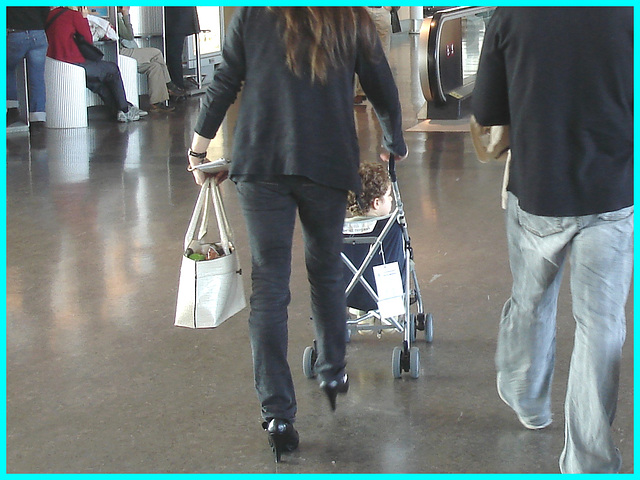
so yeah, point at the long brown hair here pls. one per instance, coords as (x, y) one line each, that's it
(319, 38)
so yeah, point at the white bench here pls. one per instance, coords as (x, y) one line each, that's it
(68, 97)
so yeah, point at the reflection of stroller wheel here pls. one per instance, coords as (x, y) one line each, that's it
(414, 362)
(396, 362)
(347, 335)
(428, 328)
(309, 358)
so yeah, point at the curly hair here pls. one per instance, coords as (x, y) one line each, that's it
(375, 183)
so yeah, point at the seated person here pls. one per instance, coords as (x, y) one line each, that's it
(150, 63)
(368, 211)
(103, 78)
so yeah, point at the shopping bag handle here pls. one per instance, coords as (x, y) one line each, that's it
(221, 216)
(209, 195)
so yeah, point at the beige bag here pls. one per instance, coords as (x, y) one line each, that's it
(210, 291)
(492, 143)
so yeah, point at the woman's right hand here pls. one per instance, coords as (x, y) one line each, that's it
(200, 176)
(219, 177)
(84, 11)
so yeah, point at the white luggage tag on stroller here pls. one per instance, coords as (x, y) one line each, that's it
(390, 290)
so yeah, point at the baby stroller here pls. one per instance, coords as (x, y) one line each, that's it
(371, 242)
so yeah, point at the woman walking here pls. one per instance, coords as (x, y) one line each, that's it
(296, 152)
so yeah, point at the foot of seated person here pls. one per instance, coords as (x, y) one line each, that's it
(128, 116)
(136, 111)
(160, 107)
(175, 91)
(358, 99)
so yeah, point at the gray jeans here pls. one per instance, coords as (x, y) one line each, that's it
(600, 249)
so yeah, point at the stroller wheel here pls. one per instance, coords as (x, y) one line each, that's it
(428, 328)
(396, 362)
(419, 321)
(309, 358)
(414, 362)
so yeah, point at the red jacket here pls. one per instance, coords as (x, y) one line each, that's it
(60, 35)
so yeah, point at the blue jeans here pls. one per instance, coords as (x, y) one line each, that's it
(600, 250)
(31, 44)
(269, 208)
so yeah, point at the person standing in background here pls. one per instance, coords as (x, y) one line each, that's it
(562, 78)
(381, 17)
(150, 63)
(26, 39)
(180, 22)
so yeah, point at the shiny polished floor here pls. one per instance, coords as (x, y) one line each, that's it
(100, 381)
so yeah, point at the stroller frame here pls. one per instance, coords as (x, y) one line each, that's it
(407, 357)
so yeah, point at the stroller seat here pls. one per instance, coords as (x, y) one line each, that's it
(360, 235)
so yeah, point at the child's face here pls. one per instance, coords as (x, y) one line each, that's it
(382, 205)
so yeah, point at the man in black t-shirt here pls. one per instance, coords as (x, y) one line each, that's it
(562, 78)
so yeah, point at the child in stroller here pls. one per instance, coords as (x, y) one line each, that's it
(367, 214)
(375, 233)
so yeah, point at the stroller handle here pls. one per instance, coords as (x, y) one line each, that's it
(392, 167)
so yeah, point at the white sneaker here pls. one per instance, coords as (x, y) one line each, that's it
(523, 421)
(121, 117)
(141, 113)
(132, 115)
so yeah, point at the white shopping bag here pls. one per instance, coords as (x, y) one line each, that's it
(210, 291)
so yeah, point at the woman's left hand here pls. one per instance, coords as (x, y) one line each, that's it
(385, 156)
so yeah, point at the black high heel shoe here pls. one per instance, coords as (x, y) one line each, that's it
(334, 387)
(282, 436)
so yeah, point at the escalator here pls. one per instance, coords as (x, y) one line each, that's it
(449, 50)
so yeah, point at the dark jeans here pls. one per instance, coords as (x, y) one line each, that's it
(269, 209)
(104, 79)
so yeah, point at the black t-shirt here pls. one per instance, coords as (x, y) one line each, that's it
(27, 18)
(563, 79)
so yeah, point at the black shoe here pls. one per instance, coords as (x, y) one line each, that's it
(282, 436)
(175, 91)
(334, 387)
